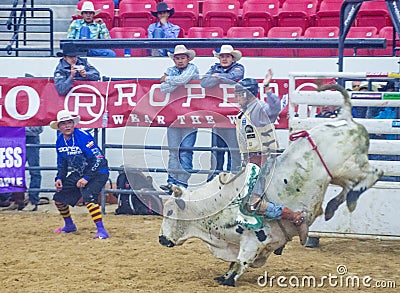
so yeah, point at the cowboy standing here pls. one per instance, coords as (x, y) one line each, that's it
(70, 68)
(228, 70)
(77, 151)
(178, 75)
(163, 29)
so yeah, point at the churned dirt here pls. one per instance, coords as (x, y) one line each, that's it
(33, 259)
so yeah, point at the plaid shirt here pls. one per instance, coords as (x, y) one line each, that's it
(176, 77)
(97, 31)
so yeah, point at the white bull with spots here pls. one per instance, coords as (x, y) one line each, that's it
(298, 180)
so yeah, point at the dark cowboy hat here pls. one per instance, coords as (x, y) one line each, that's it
(70, 53)
(161, 7)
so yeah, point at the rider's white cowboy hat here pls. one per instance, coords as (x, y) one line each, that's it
(228, 49)
(181, 49)
(88, 6)
(64, 115)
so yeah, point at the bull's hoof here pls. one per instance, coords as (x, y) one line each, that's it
(331, 209)
(279, 250)
(351, 199)
(220, 279)
(228, 282)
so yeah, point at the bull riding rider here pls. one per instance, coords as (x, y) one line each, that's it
(256, 143)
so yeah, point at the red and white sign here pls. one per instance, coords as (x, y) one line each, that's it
(35, 102)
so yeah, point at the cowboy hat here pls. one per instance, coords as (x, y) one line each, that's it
(228, 49)
(64, 115)
(88, 6)
(181, 49)
(364, 85)
(161, 7)
(70, 53)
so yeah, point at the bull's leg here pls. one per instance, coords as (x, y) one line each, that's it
(373, 175)
(252, 245)
(334, 203)
(225, 276)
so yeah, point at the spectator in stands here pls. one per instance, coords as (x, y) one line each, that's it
(178, 75)
(78, 153)
(33, 158)
(227, 70)
(163, 29)
(90, 28)
(361, 111)
(70, 68)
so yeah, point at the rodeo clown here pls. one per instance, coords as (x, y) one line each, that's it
(77, 152)
(257, 143)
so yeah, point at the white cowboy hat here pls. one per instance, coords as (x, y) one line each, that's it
(88, 7)
(364, 85)
(64, 115)
(228, 49)
(181, 49)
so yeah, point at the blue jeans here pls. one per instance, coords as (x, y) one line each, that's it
(33, 159)
(225, 138)
(181, 160)
(158, 33)
(84, 33)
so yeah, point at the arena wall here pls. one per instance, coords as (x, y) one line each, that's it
(374, 217)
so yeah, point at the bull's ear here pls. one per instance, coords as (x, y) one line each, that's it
(180, 203)
(177, 191)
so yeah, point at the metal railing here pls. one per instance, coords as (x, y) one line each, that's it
(27, 30)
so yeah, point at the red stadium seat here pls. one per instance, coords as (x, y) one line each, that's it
(373, 13)
(247, 32)
(186, 13)
(319, 32)
(387, 33)
(136, 13)
(282, 32)
(205, 32)
(260, 13)
(297, 13)
(328, 13)
(129, 33)
(361, 33)
(222, 13)
(106, 14)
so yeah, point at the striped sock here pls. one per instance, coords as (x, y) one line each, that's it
(95, 213)
(64, 212)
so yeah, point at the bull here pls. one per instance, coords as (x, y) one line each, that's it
(298, 178)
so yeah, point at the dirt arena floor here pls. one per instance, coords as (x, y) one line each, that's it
(33, 259)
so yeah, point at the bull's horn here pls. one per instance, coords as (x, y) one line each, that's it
(177, 191)
(222, 178)
(180, 203)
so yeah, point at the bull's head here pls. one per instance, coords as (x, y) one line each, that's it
(173, 227)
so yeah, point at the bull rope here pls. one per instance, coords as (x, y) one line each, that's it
(304, 133)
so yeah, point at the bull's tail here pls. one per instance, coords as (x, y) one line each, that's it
(345, 112)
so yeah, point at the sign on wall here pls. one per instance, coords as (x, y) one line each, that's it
(12, 159)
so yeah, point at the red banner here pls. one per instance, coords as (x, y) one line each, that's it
(35, 102)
